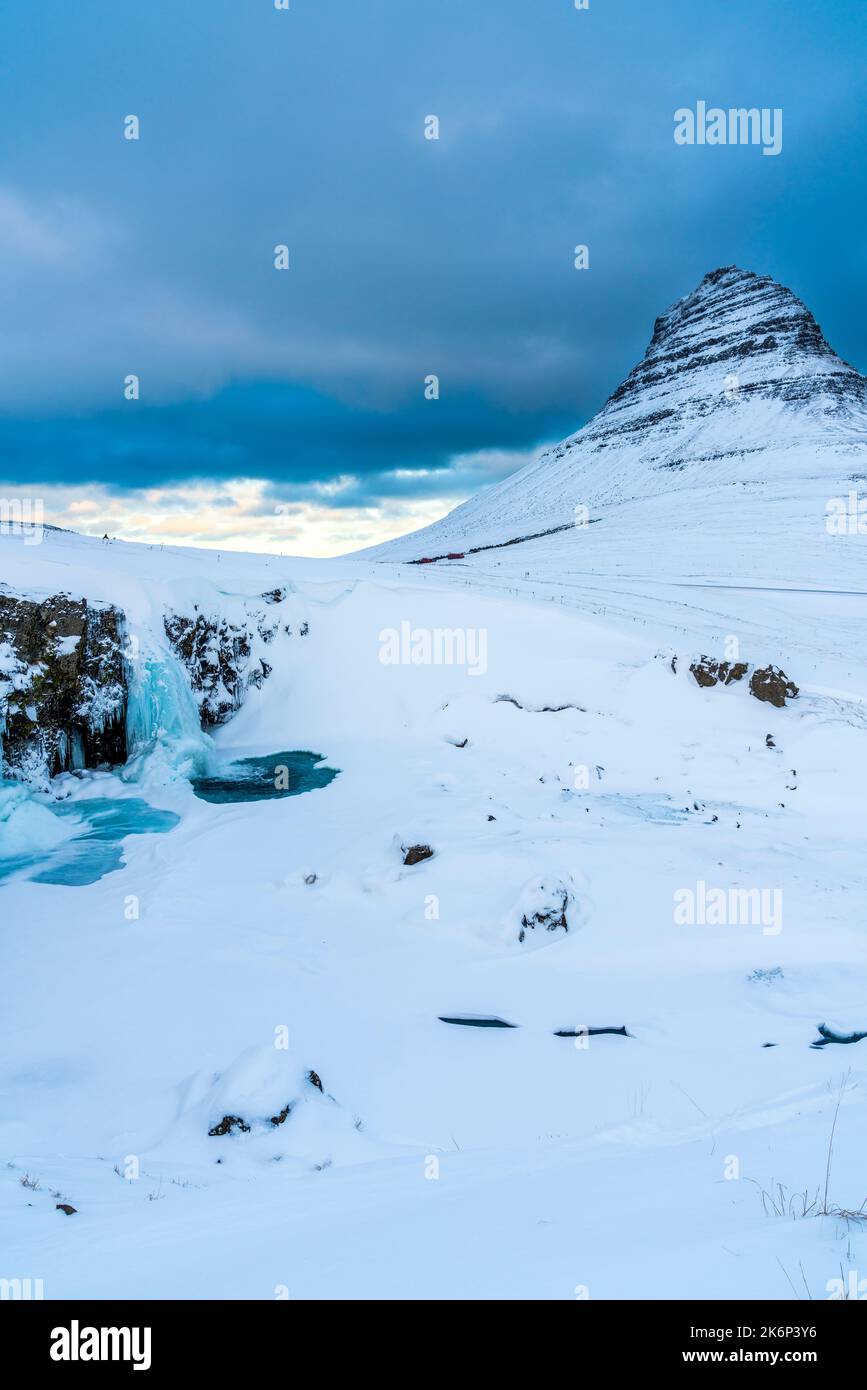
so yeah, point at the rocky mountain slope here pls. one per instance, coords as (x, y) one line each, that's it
(739, 417)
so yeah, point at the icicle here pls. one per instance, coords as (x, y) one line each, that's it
(78, 758)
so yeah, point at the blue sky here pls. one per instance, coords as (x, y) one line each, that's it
(286, 410)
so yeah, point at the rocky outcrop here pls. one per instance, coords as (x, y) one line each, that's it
(767, 683)
(550, 915)
(709, 672)
(227, 1125)
(219, 658)
(416, 854)
(63, 690)
(772, 685)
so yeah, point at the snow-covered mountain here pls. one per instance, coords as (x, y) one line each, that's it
(739, 420)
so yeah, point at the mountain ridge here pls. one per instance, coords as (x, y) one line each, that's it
(738, 385)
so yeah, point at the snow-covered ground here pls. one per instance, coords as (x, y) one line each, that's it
(613, 847)
(208, 977)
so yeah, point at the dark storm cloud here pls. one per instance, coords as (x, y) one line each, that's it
(408, 257)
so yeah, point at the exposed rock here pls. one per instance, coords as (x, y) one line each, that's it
(64, 678)
(476, 1021)
(709, 672)
(282, 1116)
(219, 660)
(66, 1208)
(772, 685)
(705, 672)
(314, 1080)
(829, 1035)
(551, 915)
(767, 683)
(622, 1032)
(537, 709)
(414, 854)
(766, 977)
(734, 321)
(63, 688)
(227, 1124)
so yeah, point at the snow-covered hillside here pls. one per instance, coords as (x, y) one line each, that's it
(229, 1053)
(444, 1160)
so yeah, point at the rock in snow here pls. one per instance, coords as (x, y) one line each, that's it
(709, 672)
(62, 685)
(773, 686)
(416, 854)
(218, 658)
(767, 683)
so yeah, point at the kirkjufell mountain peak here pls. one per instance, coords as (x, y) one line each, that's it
(740, 418)
(736, 322)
